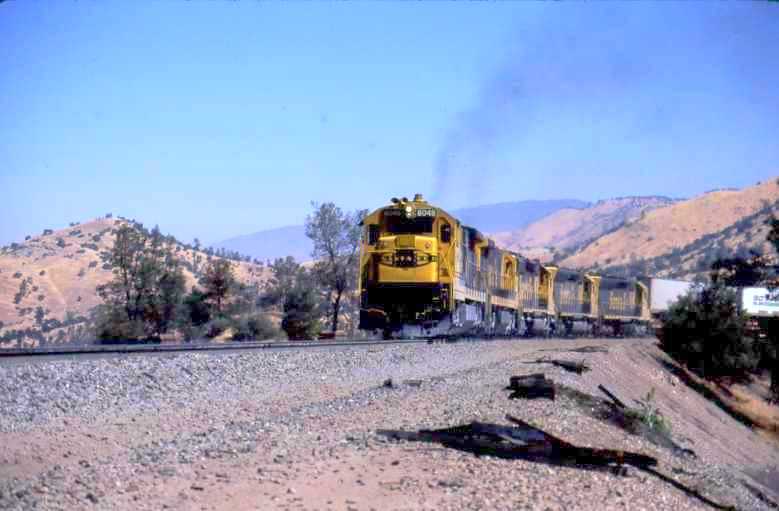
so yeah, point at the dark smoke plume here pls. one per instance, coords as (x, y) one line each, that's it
(592, 58)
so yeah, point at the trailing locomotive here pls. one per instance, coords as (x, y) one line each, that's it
(424, 274)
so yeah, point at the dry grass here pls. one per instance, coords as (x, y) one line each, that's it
(750, 401)
(62, 275)
(569, 228)
(663, 229)
(746, 403)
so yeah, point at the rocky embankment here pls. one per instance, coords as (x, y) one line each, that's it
(298, 430)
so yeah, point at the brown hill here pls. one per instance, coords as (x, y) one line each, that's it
(694, 260)
(660, 231)
(568, 229)
(59, 272)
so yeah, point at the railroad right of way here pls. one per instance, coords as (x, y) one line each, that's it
(298, 430)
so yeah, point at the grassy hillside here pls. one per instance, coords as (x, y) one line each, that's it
(48, 282)
(694, 260)
(661, 231)
(571, 228)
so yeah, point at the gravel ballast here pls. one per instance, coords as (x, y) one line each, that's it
(298, 429)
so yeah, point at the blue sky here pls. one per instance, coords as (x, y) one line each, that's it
(214, 119)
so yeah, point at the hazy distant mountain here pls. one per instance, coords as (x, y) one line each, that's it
(509, 216)
(273, 243)
(506, 216)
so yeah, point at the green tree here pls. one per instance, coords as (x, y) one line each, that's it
(772, 278)
(196, 307)
(218, 282)
(706, 331)
(143, 297)
(284, 274)
(773, 233)
(40, 314)
(171, 285)
(336, 238)
(740, 271)
(246, 299)
(300, 308)
(771, 325)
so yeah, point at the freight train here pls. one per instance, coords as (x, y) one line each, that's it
(423, 274)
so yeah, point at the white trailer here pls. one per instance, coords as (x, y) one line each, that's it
(663, 292)
(760, 301)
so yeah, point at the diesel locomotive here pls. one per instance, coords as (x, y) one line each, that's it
(423, 274)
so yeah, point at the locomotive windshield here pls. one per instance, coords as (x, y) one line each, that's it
(404, 225)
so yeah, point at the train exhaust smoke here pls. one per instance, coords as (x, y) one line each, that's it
(578, 80)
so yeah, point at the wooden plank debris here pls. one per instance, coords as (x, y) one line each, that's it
(527, 442)
(586, 455)
(531, 386)
(524, 441)
(583, 349)
(574, 367)
(611, 396)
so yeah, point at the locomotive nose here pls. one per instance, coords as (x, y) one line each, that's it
(407, 258)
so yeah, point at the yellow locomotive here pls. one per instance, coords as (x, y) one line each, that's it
(424, 274)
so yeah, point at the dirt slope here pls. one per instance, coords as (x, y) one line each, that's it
(61, 270)
(693, 260)
(571, 228)
(155, 439)
(662, 230)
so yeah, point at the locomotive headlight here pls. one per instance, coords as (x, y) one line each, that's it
(409, 209)
(427, 245)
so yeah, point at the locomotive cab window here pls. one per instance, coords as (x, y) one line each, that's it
(446, 233)
(373, 234)
(401, 225)
(509, 271)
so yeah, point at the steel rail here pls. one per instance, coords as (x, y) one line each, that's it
(93, 349)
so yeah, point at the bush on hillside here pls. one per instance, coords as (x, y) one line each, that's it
(113, 325)
(256, 327)
(196, 310)
(705, 331)
(301, 312)
(217, 327)
(191, 332)
(770, 353)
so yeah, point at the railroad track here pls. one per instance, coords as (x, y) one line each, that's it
(201, 346)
